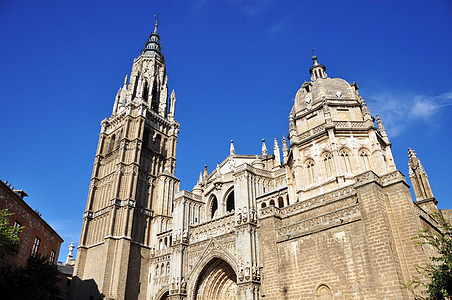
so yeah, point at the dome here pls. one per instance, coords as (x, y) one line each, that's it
(314, 92)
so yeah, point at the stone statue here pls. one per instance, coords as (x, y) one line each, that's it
(183, 285)
(241, 272)
(185, 236)
(253, 215)
(247, 270)
(173, 284)
(245, 215)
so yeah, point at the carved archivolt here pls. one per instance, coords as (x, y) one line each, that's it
(216, 280)
(213, 252)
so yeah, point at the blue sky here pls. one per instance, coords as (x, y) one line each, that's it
(235, 66)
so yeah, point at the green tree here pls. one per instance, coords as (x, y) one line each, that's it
(438, 273)
(37, 280)
(9, 235)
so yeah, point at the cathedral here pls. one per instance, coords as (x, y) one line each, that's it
(325, 214)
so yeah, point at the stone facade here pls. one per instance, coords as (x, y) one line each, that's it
(332, 219)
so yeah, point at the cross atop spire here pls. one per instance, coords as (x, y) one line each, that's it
(156, 22)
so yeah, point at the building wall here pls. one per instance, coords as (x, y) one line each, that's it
(34, 226)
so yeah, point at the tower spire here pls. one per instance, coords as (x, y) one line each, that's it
(152, 44)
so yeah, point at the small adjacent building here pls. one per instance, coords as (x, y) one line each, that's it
(37, 236)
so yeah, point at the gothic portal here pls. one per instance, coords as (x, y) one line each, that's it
(332, 218)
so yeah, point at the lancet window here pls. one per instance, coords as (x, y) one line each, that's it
(328, 162)
(346, 161)
(310, 167)
(145, 91)
(364, 159)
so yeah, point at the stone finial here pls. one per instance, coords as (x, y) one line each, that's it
(382, 129)
(419, 180)
(276, 151)
(172, 105)
(291, 123)
(231, 148)
(264, 148)
(200, 177)
(205, 172)
(69, 256)
(285, 149)
(125, 80)
(365, 110)
(217, 169)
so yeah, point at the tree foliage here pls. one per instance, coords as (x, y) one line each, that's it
(438, 272)
(9, 235)
(36, 280)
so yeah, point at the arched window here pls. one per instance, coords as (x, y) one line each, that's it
(310, 167)
(263, 205)
(272, 202)
(324, 293)
(346, 161)
(230, 202)
(111, 145)
(135, 86)
(145, 91)
(328, 162)
(155, 98)
(280, 202)
(146, 135)
(287, 198)
(364, 159)
(214, 206)
(158, 142)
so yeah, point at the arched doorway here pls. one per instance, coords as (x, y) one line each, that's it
(165, 296)
(216, 281)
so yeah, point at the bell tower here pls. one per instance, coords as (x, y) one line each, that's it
(132, 184)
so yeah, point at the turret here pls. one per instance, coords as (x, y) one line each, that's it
(317, 70)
